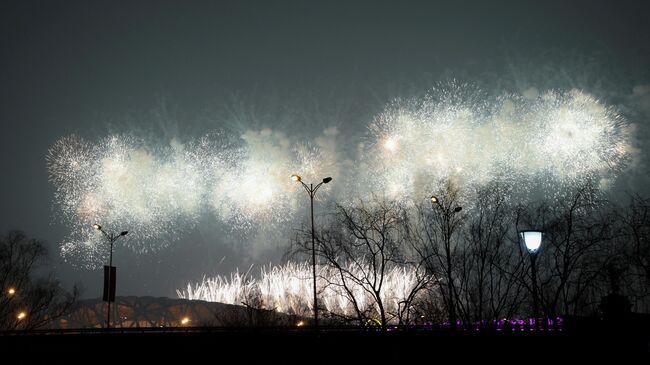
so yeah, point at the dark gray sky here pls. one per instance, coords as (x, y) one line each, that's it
(91, 67)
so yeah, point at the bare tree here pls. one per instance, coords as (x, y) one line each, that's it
(572, 258)
(441, 221)
(634, 248)
(489, 266)
(361, 246)
(27, 302)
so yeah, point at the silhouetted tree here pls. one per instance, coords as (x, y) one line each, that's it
(633, 247)
(489, 264)
(572, 258)
(440, 222)
(358, 248)
(470, 260)
(27, 302)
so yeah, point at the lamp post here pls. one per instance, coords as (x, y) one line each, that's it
(311, 190)
(447, 228)
(109, 289)
(533, 241)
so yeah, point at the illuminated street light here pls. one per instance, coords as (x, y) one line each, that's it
(185, 321)
(21, 316)
(533, 241)
(110, 273)
(300, 323)
(11, 291)
(311, 190)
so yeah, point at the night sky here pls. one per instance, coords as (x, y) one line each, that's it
(182, 69)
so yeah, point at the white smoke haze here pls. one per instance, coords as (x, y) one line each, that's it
(539, 141)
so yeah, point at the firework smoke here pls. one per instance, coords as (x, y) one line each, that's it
(548, 143)
(157, 193)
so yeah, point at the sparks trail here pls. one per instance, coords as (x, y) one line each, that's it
(287, 288)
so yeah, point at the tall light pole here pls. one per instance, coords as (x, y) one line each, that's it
(533, 241)
(311, 190)
(109, 275)
(447, 229)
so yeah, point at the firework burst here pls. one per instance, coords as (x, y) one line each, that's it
(539, 144)
(547, 144)
(158, 192)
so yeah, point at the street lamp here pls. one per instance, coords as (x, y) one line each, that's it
(448, 228)
(533, 241)
(311, 190)
(109, 275)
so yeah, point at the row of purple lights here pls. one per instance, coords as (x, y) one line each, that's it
(500, 325)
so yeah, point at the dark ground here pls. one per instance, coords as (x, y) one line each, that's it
(578, 341)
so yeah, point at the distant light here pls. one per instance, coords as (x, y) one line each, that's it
(296, 178)
(532, 239)
(326, 180)
(97, 227)
(300, 323)
(11, 291)
(21, 315)
(185, 320)
(434, 199)
(391, 144)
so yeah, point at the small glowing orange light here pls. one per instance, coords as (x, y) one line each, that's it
(300, 323)
(185, 320)
(11, 291)
(21, 315)
(296, 177)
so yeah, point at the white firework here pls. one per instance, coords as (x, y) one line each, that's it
(553, 142)
(156, 193)
(548, 144)
(288, 289)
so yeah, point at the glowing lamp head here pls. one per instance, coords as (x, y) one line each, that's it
(21, 315)
(532, 240)
(97, 227)
(185, 320)
(11, 291)
(300, 323)
(326, 180)
(296, 178)
(434, 199)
